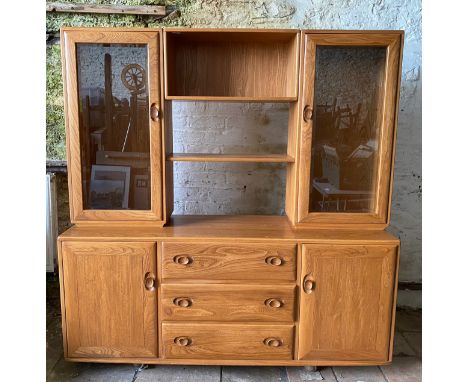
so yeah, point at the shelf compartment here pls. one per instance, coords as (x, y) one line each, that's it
(242, 65)
(242, 188)
(252, 158)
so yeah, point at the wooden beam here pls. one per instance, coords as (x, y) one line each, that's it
(148, 10)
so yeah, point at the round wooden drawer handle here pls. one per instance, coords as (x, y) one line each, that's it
(274, 260)
(273, 342)
(182, 341)
(182, 260)
(274, 303)
(183, 302)
(150, 281)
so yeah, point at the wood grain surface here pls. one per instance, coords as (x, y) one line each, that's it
(109, 311)
(347, 314)
(233, 302)
(221, 261)
(227, 341)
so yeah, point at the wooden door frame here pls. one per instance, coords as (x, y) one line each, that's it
(393, 42)
(152, 38)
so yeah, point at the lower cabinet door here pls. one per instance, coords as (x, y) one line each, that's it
(110, 299)
(227, 341)
(346, 302)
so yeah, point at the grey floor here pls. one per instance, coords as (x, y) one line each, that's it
(406, 366)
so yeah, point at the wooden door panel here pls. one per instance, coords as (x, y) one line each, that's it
(100, 141)
(356, 192)
(346, 302)
(109, 312)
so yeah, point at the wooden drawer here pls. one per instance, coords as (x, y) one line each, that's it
(231, 302)
(227, 341)
(221, 261)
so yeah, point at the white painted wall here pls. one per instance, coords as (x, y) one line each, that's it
(194, 121)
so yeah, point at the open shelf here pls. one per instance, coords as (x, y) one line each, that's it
(241, 65)
(235, 188)
(252, 158)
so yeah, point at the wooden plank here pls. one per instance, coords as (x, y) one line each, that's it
(231, 98)
(149, 10)
(229, 228)
(271, 158)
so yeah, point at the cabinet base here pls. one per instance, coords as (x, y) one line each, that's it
(205, 362)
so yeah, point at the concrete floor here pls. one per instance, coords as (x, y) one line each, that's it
(406, 366)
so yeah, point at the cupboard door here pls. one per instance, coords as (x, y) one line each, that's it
(346, 302)
(112, 93)
(350, 84)
(110, 299)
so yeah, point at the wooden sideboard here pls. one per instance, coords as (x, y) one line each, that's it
(315, 286)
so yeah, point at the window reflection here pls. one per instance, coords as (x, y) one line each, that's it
(349, 86)
(114, 126)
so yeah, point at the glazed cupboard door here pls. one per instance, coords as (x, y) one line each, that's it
(109, 290)
(346, 304)
(112, 93)
(349, 100)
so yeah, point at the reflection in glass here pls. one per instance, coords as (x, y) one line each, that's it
(114, 126)
(349, 88)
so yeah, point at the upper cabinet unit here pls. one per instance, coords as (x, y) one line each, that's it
(236, 65)
(113, 108)
(350, 85)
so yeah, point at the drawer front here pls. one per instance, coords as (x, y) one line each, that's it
(218, 261)
(232, 302)
(227, 341)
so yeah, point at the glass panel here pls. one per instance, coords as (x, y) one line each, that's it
(114, 126)
(349, 88)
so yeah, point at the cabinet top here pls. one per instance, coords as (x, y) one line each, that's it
(255, 228)
(231, 30)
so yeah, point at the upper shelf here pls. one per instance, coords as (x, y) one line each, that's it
(251, 66)
(268, 158)
(231, 99)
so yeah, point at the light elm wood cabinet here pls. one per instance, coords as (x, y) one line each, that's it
(315, 286)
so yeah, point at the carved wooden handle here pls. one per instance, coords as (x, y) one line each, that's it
(308, 284)
(183, 302)
(182, 341)
(150, 281)
(274, 260)
(273, 303)
(273, 342)
(183, 260)
(308, 113)
(154, 112)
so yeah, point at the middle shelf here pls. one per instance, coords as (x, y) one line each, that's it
(253, 158)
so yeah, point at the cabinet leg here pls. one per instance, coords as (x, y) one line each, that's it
(311, 368)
